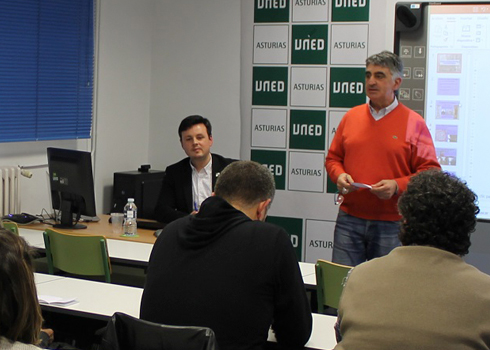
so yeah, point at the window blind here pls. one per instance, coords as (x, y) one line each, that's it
(46, 69)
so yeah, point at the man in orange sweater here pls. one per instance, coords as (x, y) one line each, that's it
(381, 144)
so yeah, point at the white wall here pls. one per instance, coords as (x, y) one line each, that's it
(158, 61)
(195, 70)
(123, 91)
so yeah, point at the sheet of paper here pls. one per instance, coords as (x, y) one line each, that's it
(54, 300)
(361, 185)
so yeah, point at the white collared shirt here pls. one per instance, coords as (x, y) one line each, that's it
(383, 111)
(202, 184)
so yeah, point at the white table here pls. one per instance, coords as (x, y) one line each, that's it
(138, 254)
(133, 253)
(307, 269)
(129, 251)
(99, 300)
(40, 278)
(322, 334)
(309, 275)
(33, 237)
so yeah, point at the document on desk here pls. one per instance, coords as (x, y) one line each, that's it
(56, 301)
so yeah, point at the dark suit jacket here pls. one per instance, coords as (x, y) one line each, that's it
(175, 199)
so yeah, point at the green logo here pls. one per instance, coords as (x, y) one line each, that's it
(270, 86)
(310, 44)
(294, 227)
(275, 161)
(307, 129)
(331, 187)
(350, 10)
(271, 11)
(347, 87)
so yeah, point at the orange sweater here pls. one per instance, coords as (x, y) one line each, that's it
(395, 147)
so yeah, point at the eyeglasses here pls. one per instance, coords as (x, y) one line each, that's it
(338, 198)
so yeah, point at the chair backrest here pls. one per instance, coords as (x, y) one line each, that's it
(11, 226)
(330, 279)
(124, 332)
(77, 254)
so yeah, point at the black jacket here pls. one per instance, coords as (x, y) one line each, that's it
(221, 270)
(175, 200)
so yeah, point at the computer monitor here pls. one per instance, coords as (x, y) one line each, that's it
(72, 185)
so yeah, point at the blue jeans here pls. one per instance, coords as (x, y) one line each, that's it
(357, 240)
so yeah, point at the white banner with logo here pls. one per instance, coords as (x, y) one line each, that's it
(302, 69)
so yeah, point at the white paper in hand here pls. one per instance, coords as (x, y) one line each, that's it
(361, 185)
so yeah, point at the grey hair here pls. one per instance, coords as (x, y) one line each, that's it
(245, 182)
(389, 60)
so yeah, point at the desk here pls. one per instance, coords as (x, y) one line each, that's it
(309, 275)
(40, 278)
(310, 281)
(98, 300)
(125, 250)
(322, 335)
(101, 228)
(138, 254)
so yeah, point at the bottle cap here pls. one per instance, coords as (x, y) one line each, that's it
(130, 199)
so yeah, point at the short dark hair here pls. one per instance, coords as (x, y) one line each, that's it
(438, 210)
(245, 182)
(192, 120)
(20, 314)
(389, 60)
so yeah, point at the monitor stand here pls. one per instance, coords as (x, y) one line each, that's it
(67, 217)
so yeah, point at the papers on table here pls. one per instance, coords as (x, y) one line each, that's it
(361, 185)
(54, 300)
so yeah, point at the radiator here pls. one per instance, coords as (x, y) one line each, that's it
(10, 190)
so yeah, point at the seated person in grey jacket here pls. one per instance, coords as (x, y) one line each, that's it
(422, 295)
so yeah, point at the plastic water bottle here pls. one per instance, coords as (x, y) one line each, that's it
(130, 216)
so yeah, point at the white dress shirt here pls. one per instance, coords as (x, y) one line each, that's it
(383, 111)
(202, 184)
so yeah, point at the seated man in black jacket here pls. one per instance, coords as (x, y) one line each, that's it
(226, 269)
(188, 182)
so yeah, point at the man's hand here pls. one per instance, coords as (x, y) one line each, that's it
(344, 183)
(384, 189)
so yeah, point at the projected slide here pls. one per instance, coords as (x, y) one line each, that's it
(457, 97)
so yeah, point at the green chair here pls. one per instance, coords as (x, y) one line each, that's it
(330, 279)
(11, 226)
(77, 254)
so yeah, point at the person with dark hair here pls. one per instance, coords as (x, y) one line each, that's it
(226, 269)
(422, 295)
(20, 314)
(188, 182)
(380, 144)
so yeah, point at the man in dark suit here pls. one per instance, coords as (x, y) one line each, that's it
(189, 182)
